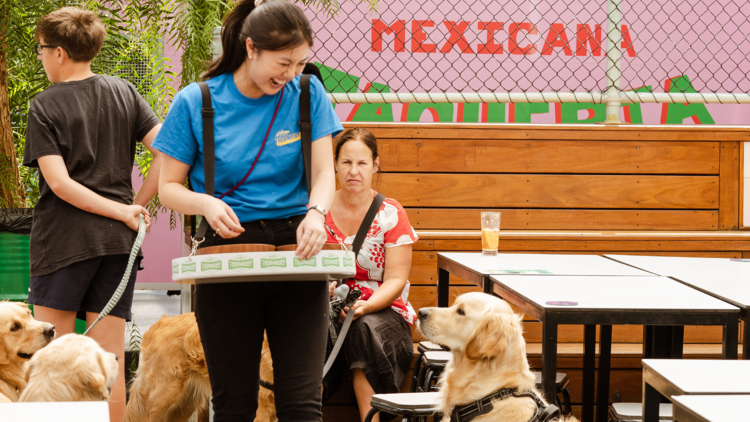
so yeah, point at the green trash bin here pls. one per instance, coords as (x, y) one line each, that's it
(15, 228)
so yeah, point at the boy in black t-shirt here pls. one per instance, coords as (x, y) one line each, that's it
(82, 134)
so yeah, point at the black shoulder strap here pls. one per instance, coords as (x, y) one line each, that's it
(209, 160)
(305, 125)
(359, 239)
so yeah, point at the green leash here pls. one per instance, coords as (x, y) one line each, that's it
(124, 282)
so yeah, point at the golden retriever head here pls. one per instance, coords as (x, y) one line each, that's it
(21, 336)
(71, 368)
(477, 325)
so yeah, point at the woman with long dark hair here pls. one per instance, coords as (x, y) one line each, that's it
(255, 89)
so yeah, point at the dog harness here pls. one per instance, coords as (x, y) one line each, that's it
(467, 412)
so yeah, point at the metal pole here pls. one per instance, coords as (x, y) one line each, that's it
(614, 55)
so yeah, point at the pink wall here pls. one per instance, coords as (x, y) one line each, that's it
(160, 247)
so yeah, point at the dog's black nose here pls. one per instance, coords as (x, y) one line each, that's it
(49, 331)
(424, 313)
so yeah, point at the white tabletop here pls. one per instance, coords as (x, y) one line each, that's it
(552, 264)
(608, 292)
(704, 376)
(728, 279)
(715, 408)
(89, 411)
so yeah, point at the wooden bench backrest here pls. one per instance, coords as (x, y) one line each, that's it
(573, 177)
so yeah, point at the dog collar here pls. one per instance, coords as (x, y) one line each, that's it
(467, 412)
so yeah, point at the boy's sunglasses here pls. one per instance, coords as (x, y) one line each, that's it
(39, 47)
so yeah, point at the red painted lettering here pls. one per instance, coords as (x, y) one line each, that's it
(556, 38)
(583, 34)
(456, 37)
(513, 30)
(418, 36)
(379, 27)
(627, 42)
(491, 47)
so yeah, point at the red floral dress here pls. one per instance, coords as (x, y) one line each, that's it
(390, 228)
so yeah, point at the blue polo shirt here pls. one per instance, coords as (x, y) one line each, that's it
(277, 187)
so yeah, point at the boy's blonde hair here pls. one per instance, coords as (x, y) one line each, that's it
(80, 32)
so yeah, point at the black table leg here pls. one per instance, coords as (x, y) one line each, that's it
(487, 286)
(589, 372)
(678, 339)
(746, 335)
(648, 342)
(549, 359)
(602, 384)
(662, 342)
(651, 403)
(731, 332)
(443, 285)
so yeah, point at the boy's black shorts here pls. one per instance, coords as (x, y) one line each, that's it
(86, 286)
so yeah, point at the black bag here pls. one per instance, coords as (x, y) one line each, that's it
(16, 220)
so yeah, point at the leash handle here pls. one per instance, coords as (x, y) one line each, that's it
(126, 277)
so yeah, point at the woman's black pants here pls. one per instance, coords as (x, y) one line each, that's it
(231, 319)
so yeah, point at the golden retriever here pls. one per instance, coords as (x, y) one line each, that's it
(172, 379)
(485, 337)
(71, 368)
(21, 336)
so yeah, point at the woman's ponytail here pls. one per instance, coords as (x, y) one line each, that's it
(233, 47)
(273, 26)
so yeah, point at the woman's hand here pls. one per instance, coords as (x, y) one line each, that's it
(311, 235)
(360, 308)
(221, 217)
(131, 216)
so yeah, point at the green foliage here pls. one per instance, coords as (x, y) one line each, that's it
(137, 31)
(134, 344)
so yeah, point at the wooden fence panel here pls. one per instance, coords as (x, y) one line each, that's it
(527, 156)
(551, 191)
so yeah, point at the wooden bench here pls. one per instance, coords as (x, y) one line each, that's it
(594, 189)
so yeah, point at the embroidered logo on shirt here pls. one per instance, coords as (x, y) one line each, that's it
(283, 137)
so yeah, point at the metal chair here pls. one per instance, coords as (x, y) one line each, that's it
(433, 364)
(561, 387)
(407, 405)
(417, 376)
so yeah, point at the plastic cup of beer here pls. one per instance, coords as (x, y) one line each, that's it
(490, 232)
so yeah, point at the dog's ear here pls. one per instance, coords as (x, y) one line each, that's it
(193, 346)
(97, 380)
(4, 355)
(490, 338)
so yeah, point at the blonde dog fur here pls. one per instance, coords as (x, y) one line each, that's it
(20, 336)
(485, 337)
(172, 379)
(71, 368)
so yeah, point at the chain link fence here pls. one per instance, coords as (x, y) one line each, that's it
(536, 51)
